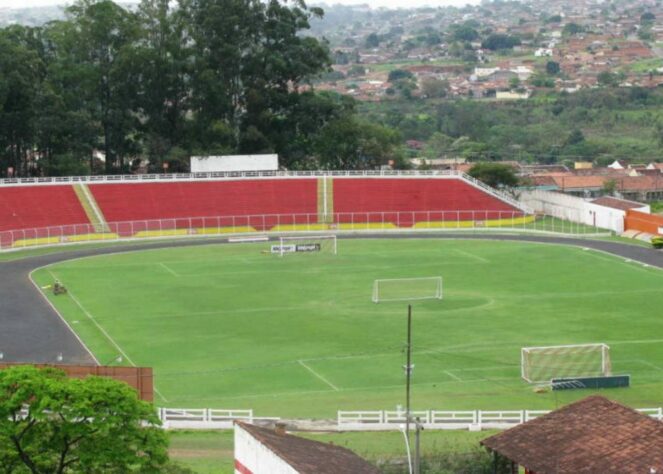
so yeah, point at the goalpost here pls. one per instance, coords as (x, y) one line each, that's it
(306, 244)
(407, 289)
(543, 364)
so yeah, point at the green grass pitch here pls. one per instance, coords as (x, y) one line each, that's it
(227, 326)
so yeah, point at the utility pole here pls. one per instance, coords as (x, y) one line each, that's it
(417, 447)
(408, 370)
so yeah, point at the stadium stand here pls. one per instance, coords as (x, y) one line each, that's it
(429, 199)
(184, 200)
(105, 209)
(29, 207)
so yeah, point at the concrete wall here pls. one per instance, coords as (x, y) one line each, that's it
(253, 457)
(575, 209)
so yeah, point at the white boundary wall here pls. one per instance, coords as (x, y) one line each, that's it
(575, 209)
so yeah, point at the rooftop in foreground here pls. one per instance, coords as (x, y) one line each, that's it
(594, 435)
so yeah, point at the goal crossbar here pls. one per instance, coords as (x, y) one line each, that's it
(407, 289)
(541, 364)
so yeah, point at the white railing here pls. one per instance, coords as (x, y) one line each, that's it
(205, 418)
(375, 420)
(279, 224)
(496, 193)
(218, 175)
(448, 420)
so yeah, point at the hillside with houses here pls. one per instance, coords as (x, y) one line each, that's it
(497, 50)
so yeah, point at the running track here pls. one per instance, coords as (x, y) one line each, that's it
(32, 331)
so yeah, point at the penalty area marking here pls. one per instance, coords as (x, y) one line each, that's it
(168, 269)
(649, 364)
(301, 362)
(103, 331)
(472, 256)
(455, 377)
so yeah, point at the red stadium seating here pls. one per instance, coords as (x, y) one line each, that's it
(429, 199)
(179, 200)
(131, 208)
(28, 207)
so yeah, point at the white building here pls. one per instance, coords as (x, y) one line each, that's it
(480, 72)
(265, 451)
(543, 52)
(226, 163)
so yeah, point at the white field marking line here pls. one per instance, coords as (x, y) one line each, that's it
(43, 295)
(524, 244)
(455, 377)
(636, 341)
(461, 348)
(212, 313)
(169, 270)
(353, 389)
(649, 364)
(360, 389)
(580, 294)
(104, 332)
(472, 256)
(479, 369)
(318, 375)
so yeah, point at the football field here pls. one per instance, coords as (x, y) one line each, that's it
(233, 326)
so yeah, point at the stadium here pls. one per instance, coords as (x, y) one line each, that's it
(290, 301)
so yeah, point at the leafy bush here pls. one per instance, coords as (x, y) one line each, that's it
(657, 242)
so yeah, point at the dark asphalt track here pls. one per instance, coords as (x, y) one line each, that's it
(32, 331)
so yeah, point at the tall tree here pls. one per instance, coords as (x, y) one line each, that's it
(163, 92)
(250, 60)
(349, 143)
(99, 41)
(496, 175)
(20, 77)
(52, 424)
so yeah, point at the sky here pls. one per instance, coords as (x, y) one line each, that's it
(377, 3)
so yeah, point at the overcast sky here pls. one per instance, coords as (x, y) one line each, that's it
(386, 3)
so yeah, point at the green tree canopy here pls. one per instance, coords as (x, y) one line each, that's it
(647, 17)
(494, 174)
(398, 74)
(349, 143)
(463, 32)
(53, 424)
(498, 41)
(552, 68)
(572, 29)
(372, 41)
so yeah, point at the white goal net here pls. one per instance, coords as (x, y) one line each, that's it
(543, 364)
(306, 244)
(407, 289)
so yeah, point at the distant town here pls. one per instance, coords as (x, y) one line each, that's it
(503, 50)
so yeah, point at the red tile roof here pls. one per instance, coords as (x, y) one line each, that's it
(616, 203)
(592, 436)
(310, 457)
(579, 182)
